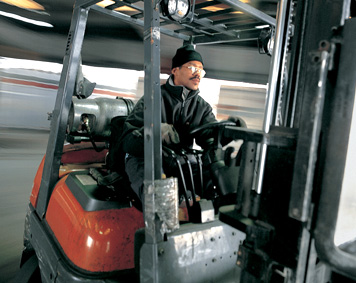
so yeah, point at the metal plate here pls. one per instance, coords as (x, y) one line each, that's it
(197, 253)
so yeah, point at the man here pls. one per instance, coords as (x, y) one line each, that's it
(182, 110)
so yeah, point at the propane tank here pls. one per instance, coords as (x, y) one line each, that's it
(92, 117)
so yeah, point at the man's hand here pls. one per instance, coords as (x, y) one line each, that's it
(239, 122)
(169, 134)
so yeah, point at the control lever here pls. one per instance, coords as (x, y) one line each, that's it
(185, 191)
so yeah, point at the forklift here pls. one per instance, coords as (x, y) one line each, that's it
(83, 225)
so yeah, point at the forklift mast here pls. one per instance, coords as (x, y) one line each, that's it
(292, 169)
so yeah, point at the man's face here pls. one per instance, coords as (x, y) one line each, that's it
(184, 75)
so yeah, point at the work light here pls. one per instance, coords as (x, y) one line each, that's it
(176, 10)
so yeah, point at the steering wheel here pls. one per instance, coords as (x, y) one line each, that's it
(211, 125)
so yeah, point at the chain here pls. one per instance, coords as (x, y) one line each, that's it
(284, 70)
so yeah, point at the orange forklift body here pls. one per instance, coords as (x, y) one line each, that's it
(94, 241)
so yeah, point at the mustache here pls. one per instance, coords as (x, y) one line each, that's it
(195, 77)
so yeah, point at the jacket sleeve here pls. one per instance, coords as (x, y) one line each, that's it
(132, 141)
(206, 137)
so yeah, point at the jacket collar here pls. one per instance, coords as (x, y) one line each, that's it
(178, 90)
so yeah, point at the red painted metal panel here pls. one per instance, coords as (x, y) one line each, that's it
(96, 241)
(36, 184)
(72, 154)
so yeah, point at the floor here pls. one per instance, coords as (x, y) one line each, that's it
(21, 151)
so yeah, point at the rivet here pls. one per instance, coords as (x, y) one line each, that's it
(161, 252)
(295, 211)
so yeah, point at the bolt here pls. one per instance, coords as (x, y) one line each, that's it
(324, 44)
(160, 252)
(316, 59)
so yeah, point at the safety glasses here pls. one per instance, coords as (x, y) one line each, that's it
(196, 70)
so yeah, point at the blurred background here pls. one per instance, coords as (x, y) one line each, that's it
(33, 37)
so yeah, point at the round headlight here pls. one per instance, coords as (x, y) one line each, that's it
(270, 45)
(266, 41)
(176, 10)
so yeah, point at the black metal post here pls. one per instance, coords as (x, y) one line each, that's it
(62, 105)
(152, 138)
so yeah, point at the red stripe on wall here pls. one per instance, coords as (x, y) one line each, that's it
(113, 93)
(36, 84)
(29, 83)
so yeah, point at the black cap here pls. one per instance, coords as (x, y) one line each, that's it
(185, 54)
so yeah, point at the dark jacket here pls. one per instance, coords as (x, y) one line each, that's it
(184, 115)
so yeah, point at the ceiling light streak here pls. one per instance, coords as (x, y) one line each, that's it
(262, 26)
(25, 4)
(105, 3)
(23, 19)
(125, 9)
